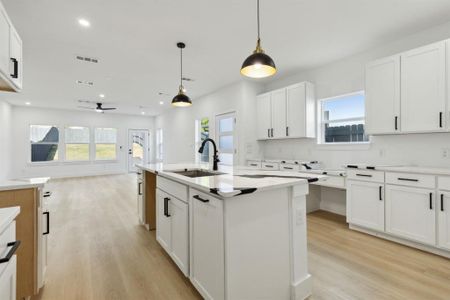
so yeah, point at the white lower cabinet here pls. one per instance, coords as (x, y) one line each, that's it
(140, 201)
(365, 204)
(8, 281)
(444, 220)
(411, 213)
(207, 247)
(172, 230)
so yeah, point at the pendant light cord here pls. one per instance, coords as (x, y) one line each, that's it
(181, 67)
(257, 17)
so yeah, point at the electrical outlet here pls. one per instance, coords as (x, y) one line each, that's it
(445, 153)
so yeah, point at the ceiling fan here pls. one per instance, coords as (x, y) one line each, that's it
(99, 108)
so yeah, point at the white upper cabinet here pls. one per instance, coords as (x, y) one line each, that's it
(287, 113)
(383, 96)
(423, 89)
(279, 113)
(10, 55)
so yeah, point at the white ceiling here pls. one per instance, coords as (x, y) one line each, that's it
(134, 41)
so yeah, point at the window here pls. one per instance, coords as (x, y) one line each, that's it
(105, 143)
(201, 133)
(77, 143)
(159, 144)
(44, 143)
(341, 119)
(225, 128)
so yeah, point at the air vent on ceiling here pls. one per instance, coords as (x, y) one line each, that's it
(87, 59)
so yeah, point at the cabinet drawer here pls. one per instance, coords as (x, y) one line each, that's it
(256, 164)
(173, 188)
(270, 166)
(290, 167)
(444, 183)
(7, 236)
(365, 175)
(332, 181)
(415, 180)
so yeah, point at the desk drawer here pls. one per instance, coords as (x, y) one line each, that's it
(415, 180)
(365, 175)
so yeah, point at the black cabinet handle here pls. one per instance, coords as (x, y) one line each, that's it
(16, 68)
(253, 165)
(288, 168)
(48, 222)
(408, 179)
(201, 199)
(271, 132)
(287, 130)
(268, 132)
(166, 207)
(140, 188)
(11, 251)
(268, 166)
(396, 122)
(442, 202)
(440, 119)
(364, 175)
(431, 201)
(380, 192)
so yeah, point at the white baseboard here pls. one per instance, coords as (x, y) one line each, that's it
(302, 289)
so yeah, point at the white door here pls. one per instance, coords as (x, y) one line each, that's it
(444, 220)
(138, 148)
(4, 43)
(365, 204)
(263, 116)
(279, 113)
(296, 111)
(383, 96)
(411, 213)
(8, 280)
(16, 58)
(207, 273)
(226, 138)
(163, 221)
(179, 216)
(423, 89)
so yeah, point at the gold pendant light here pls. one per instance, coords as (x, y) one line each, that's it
(181, 99)
(258, 64)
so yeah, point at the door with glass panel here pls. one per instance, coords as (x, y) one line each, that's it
(226, 138)
(138, 148)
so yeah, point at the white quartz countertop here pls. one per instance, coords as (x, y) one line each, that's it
(235, 181)
(7, 215)
(17, 184)
(403, 169)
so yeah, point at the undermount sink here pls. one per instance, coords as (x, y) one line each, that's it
(197, 173)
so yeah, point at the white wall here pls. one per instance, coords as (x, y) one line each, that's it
(5, 140)
(178, 124)
(22, 117)
(346, 76)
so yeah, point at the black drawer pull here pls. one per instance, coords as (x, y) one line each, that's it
(140, 188)
(288, 168)
(48, 222)
(11, 251)
(253, 165)
(380, 193)
(442, 202)
(440, 119)
(166, 207)
(268, 166)
(364, 175)
(201, 199)
(431, 201)
(408, 179)
(16, 68)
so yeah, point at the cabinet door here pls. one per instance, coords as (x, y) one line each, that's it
(263, 116)
(423, 89)
(279, 113)
(140, 203)
(383, 96)
(8, 281)
(15, 72)
(444, 220)
(365, 204)
(410, 213)
(180, 234)
(296, 111)
(4, 43)
(207, 265)
(163, 222)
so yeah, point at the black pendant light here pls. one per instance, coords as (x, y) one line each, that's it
(181, 100)
(259, 64)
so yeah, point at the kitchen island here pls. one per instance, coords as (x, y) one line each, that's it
(236, 233)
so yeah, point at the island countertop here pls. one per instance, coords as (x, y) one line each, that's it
(26, 183)
(235, 180)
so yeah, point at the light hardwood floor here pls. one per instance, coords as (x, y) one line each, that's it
(98, 251)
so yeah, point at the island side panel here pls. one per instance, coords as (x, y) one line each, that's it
(150, 199)
(257, 242)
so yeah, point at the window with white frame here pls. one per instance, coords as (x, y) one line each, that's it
(225, 133)
(77, 143)
(342, 119)
(159, 144)
(201, 133)
(105, 143)
(44, 141)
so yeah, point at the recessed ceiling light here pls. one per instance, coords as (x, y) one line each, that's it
(142, 112)
(27, 103)
(102, 95)
(161, 102)
(84, 22)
